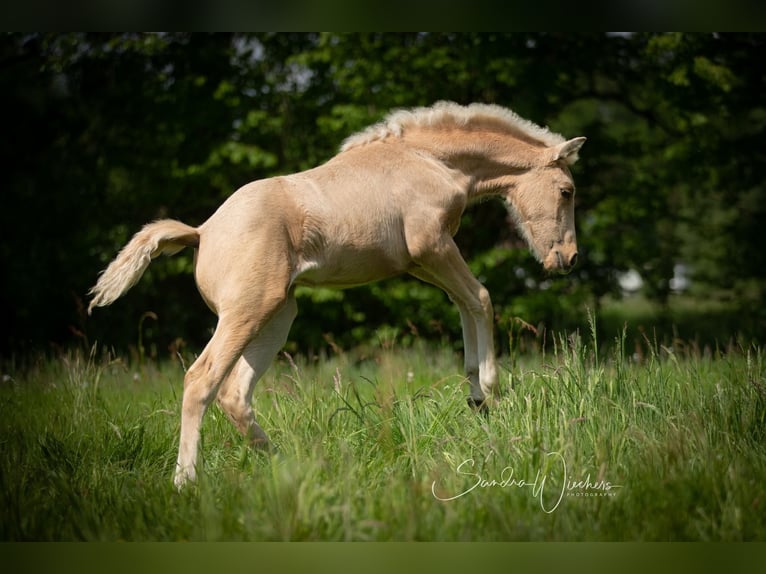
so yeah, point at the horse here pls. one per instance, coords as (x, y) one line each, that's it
(388, 203)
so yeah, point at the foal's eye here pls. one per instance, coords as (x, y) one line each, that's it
(566, 193)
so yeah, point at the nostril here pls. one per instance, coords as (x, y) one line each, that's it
(573, 260)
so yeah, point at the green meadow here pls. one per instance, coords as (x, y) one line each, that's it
(378, 444)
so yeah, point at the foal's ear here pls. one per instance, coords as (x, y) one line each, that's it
(568, 150)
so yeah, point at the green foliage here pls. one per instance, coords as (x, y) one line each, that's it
(368, 440)
(104, 132)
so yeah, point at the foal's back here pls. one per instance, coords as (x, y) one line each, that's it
(347, 222)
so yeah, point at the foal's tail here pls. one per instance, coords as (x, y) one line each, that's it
(165, 236)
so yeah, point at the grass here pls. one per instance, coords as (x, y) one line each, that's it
(686, 320)
(668, 447)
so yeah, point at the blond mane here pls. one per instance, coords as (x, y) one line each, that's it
(451, 114)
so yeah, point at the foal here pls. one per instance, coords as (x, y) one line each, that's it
(389, 203)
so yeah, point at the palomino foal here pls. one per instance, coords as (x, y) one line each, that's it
(389, 203)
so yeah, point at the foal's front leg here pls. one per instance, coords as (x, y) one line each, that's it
(470, 344)
(471, 356)
(481, 317)
(446, 269)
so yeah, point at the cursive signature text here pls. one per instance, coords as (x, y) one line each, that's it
(549, 487)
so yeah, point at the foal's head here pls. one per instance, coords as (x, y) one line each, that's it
(542, 203)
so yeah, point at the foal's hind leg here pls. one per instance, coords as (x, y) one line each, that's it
(235, 395)
(237, 327)
(201, 385)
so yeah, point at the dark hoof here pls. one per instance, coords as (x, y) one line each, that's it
(480, 407)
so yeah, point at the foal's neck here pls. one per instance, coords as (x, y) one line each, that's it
(492, 161)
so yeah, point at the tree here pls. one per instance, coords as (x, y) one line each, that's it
(105, 132)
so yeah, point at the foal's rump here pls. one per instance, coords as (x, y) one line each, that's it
(163, 237)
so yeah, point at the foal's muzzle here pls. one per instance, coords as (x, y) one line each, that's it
(561, 260)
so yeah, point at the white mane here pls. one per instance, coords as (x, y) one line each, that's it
(450, 113)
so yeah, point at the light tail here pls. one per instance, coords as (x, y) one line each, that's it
(163, 237)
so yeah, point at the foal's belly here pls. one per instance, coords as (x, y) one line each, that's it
(349, 270)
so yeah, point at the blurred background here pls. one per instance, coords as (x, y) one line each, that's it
(105, 132)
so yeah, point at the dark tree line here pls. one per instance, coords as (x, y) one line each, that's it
(104, 132)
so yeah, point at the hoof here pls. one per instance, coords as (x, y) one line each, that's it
(183, 479)
(480, 407)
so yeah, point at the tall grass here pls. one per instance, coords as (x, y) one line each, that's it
(581, 446)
